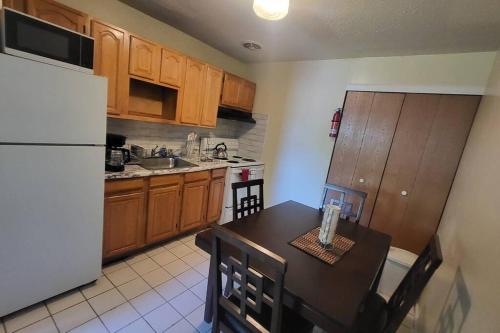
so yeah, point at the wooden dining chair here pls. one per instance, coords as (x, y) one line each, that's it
(254, 303)
(380, 316)
(249, 204)
(346, 198)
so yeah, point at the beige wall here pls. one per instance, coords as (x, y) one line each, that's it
(119, 14)
(469, 232)
(300, 97)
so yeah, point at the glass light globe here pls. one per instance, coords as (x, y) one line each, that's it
(271, 9)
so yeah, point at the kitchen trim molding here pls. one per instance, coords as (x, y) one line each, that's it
(427, 89)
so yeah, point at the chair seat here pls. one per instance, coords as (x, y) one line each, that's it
(290, 321)
(374, 316)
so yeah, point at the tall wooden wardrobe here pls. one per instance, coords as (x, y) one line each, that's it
(403, 150)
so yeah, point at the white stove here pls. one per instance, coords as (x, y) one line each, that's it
(236, 164)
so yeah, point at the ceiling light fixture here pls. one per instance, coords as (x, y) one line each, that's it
(272, 10)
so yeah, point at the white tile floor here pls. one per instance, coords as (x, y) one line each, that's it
(161, 290)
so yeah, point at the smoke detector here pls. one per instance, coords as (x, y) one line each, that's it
(252, 45)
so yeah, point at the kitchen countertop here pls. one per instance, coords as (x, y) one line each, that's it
(133, 171)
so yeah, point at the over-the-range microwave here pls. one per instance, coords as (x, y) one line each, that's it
(29, 37)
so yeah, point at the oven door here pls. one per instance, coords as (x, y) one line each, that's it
(28, 37)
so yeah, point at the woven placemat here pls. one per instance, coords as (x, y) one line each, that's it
(310, 244)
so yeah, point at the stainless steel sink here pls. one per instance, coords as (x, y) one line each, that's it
(159, 163)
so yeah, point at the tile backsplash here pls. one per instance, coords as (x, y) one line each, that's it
(148, 135)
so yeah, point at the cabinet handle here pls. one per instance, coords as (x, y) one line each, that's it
(404, 193)
(361, 180)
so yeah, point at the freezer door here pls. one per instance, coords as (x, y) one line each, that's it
(41, 103)
(51, 221)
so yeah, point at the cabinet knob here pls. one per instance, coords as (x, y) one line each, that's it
(361, 180)
(404, 193)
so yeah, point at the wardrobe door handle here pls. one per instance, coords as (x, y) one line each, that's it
(404, 193)
(361, 180)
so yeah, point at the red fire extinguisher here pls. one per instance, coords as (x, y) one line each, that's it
(334, 131)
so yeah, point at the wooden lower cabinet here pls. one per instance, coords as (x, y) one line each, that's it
(143, 211)
(164, 205)
(123, 217)
(216, 195)
(194, 204)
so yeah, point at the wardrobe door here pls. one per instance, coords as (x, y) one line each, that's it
(429, 140)
(368, 126)
(375, 148)
(345, 154)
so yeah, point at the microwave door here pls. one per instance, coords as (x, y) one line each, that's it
(31, 38)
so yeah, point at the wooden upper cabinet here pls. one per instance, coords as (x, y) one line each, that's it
(211, 96)
(237, 93)
(144, 59)
(19, 5)
(164, 205)
(58, 14)
(246, 95)
(230, 90)
(194, 200)
(216, 195)
(110, 61)
(173, 66)
(194, 83)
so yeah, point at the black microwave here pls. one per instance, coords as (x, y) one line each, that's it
(29, 37)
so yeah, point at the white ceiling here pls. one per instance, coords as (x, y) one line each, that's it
(326, 29)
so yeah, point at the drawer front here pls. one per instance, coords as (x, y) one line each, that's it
(218, 173)
(196, 176)
(123, 185)
(165, 180)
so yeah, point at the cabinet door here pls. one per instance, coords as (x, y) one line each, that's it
(194, 205)
(19, 5)
(194, 83)
(430, 136)
(173, 66)
(230, 90)
(110, 61)
(59, 14)
(163, 212)
(374, 150)
(357, 109)
(246, 95)
(212, 89)
(144, 59)
(123, 223)
(215, 199)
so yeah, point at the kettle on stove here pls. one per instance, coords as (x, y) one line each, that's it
(220, 151)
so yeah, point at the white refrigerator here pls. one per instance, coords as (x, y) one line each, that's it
(52, 137)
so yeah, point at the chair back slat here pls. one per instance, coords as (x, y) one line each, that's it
(250, 204)
(247, 297)
(347, 199)
(412, 285)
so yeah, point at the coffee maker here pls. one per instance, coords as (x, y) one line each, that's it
(116, 155)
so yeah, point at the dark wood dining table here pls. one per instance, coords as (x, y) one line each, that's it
(330, 296)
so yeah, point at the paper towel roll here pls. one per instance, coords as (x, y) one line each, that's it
(329, 224)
